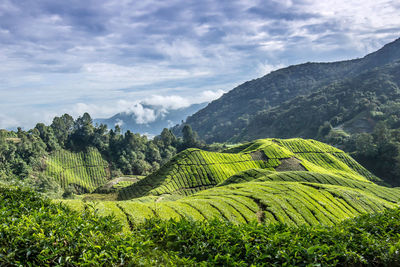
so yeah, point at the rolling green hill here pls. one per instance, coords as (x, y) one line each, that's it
(85, 171)
(293, 181)
(194, 170)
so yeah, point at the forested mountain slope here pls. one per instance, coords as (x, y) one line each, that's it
(225, 117)
(377, 90)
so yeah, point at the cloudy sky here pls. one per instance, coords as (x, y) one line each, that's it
(105, 56)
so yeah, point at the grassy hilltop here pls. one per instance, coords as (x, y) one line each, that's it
(293, 181)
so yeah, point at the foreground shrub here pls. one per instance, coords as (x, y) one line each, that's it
(34, 231)
(367, 240)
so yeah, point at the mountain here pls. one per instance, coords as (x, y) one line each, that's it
(354, 104)
(150, 119)
(225, 118)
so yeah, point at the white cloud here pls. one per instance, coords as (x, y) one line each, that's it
(207, 96)
(180, 49)
(119, 122)
(112, 75)
(176, 102)
(167, 102)
(357, 19)
(143, 115)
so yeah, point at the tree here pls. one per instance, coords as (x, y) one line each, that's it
(82, 136)
(101, 138)
(324, 129)
(152, 153)
(62, 128)
(381, 133)
(365, 145)
(189, 137)
(167, 137)
(47, 135)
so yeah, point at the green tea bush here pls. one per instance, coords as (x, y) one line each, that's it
(369, 240)
(36, 232)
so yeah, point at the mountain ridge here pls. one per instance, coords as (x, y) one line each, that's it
(337, 103)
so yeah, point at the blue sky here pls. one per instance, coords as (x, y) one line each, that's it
(103, 57)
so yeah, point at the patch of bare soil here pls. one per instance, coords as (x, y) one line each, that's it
(290, 164)
(108, 187)
(159, 199)
(258, 155)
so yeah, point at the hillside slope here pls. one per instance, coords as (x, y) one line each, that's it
(194, 170)
(225, 117)
(294, 181)
(83, 171)
(31, 224)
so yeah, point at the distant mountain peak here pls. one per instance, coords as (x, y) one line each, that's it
(150, 119)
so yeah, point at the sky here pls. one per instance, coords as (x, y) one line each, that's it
(106, 56)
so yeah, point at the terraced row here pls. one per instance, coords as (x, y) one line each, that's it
(194, 170)
(297, 145)
(260, 175)
(86, 170)
(291, 181)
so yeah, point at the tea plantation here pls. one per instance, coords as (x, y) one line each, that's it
(85, 171)
(295, 181)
